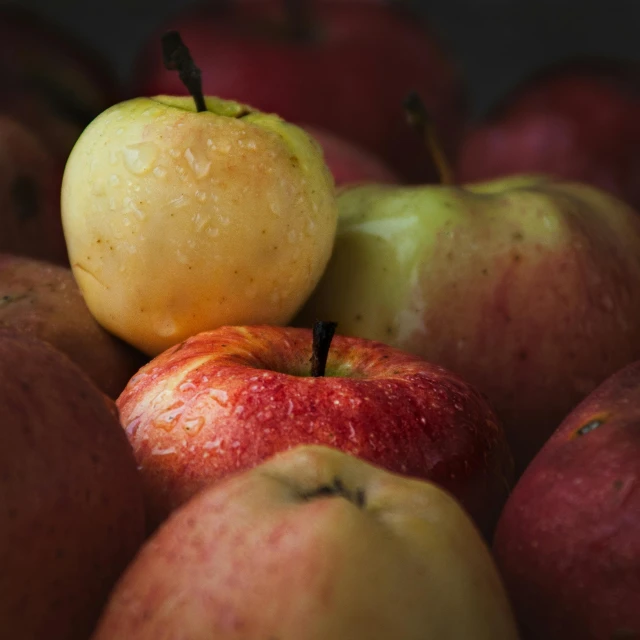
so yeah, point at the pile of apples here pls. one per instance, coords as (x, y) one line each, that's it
(291, 348)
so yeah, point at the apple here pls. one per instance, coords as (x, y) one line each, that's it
(313, 544)
(576, 119)
(182, 215)
(568, 541)
(52, 82)
(43, 300)
(348, 162)
(225, 400)
(71, 510)
(343, 65)
(528, 287)
(30, 179)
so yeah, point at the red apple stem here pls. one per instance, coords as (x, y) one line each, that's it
(300, 19)
(176, 57)
(418, 117)
(322, 336)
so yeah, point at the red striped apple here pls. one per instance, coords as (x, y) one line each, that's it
(568, 540)
(311, 545)
(225, 400)
(71, 508)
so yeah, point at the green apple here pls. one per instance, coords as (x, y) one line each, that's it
(528, 287)
(178, 220)
(313, 544)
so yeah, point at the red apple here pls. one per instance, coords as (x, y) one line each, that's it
(344, 65)
(579, 120)
(71, 509)
(43, 300)
(568, 540)
(313, 545)
(225, 400)
(30, 181)
(349, 163)
(53, 82)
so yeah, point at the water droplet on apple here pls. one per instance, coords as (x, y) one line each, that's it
(174, 153)
(213, 232)
(163, 451)
(225, 220)
(119, 131)
(179, 202)
(130, 205)
(199, 165)
(201, 196)
(159, 172)
(132, 428)
(98, 187)
(139, 158)
(114, 180)
(187, 386)
(193, 425)
(113, 157)
(219, 395)
(165, 326)
(167, 419)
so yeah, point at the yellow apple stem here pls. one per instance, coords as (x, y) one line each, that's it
(418, 117)
(322, 335)
(176, 57)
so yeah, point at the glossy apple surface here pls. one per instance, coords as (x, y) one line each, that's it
(313, 544)
(578, 120)
(345, 67)
(529, 288)
(226, 400)
(568, 542)
(30, 178)
(71, 510)
(43, 300)
(177, 221)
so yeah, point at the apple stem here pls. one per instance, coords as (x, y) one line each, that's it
(322, 335)
(418, 117)
(176, 57)
(300, 19)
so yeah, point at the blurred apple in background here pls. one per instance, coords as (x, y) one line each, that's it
(71, 510)
(568, 541)
(226, 400)
(43, 300)
(343, 65)
(576, 119)
(527, 287)
(350, 163)
(52, 81)
(30, 178)
(313, 544)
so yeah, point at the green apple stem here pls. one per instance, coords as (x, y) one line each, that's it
(176, 57)
(300, 19)
(322, 335)
(418, 117)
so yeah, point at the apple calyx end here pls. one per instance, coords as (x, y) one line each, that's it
(322, 335)
(418, 117)
(176, 57)
(338, 490)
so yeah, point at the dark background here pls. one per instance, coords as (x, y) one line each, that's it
(496, 42)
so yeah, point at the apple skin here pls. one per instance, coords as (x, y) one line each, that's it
(43, 300)
(578, 120)
(527, 287)
(30, 179)
(177, 222)
(52, 82)
(364, 55)
(568, 540)
(225, 400)
(71, 507)
(259, 556)
(348, 162)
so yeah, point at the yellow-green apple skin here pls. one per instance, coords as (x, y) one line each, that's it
(178, 221)
(313, 544)
(527, 287)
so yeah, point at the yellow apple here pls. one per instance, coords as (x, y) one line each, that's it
(313, 544)
(179, 221)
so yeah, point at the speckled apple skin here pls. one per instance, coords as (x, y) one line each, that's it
(43, 300)
(225, 400)
(71, 507)
(568, 541)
